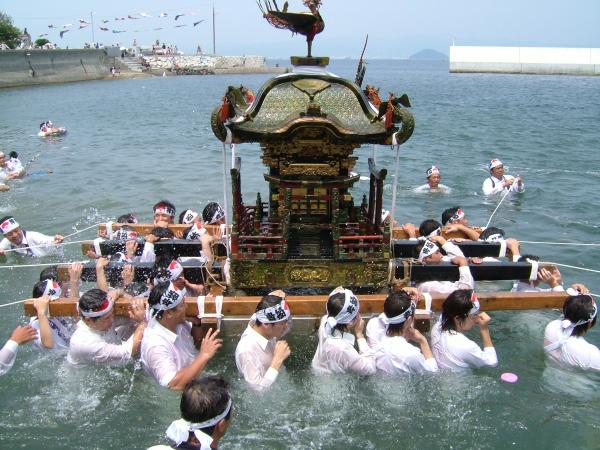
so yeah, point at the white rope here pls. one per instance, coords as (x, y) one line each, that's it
(45, 245)
(84, 229)
(499, 203)
(571, 267)
(13, 303)
(41, 264)
(560, 243)
(225, 206)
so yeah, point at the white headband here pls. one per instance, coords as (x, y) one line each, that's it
(105, 308)
(432, 170)
(217, 215)
(189, 216)
(496, 237)
(429, 248)
(164, 209)
(495, 163)
(475, 302)
(400, 318)
(459, 214)
(273, 314)
(9, 225)
(179, 430)
(170, 299)
(195, 233)
(52, 289)
(175, 270)
(123, 235)
(348, 311)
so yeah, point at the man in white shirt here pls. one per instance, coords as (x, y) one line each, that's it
(9, 170)
(433, 182)
(8, 353)
(259, 355)
(97, 338)
(498, 182)
(430, 254)
(26, 243)
(168, 352)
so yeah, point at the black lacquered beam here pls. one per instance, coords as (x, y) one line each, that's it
(489, 271)
(405, 248)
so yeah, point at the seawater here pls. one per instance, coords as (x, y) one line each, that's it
(133, 142)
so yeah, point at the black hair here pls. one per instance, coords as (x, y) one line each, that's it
(166, 203)
(579, 307)
(395, 304)
(49, 273)
(428, 226)
(448, 213)
(524, 258)
(266, 302)
(39, 288)
(491, 231)
(335, 303)
(162, 233)
(154, 298)
(209, 211)
(457, 304)
(13, 154)
(126, 218)
(205, 399)
(92, 300)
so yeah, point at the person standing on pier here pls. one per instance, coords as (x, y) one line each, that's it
(260, 354)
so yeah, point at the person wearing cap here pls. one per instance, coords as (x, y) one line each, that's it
(433, 182)
(454, 220)
(98, 337)
(429, 253)
(164, 213)
(452, 349)
(8, 353)
(26, 243)
(564, 341)
(260, 353)
(389, 335)
(205, 416)
(340, 329)
(499, 182)
(168, 352)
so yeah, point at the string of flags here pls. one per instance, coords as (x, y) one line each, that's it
(62, 29)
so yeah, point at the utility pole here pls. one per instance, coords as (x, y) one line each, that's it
(214, 48)
(92, 17)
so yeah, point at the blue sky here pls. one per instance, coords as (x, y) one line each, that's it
(396, 28)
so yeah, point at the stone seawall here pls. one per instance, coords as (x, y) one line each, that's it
(525, 60)
(208, 64)
(30, 67)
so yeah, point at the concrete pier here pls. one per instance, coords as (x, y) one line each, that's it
(525, 60)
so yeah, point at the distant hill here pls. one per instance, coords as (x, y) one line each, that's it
(429, 55)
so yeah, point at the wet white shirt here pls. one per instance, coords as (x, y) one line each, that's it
(8, 354)
(493, 185)
(396, 356)
(62, 331)
(375, 330)
(108, 347)
(33, 239)
(456, 352)
(336, 353)
(441, 188)
(253, 357)
(575, 351)
(165, 353)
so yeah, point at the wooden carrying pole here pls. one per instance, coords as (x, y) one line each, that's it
(314, 306)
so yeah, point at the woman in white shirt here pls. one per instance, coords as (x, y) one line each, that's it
(563, 338)
(451, 348)
(395, 355)
(340, 329)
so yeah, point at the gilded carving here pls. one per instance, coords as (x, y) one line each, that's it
(309, 275)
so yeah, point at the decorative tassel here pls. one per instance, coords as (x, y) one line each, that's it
(224, 113)
(389, 113)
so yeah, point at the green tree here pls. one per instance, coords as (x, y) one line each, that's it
(41, 41)
(9, 34)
